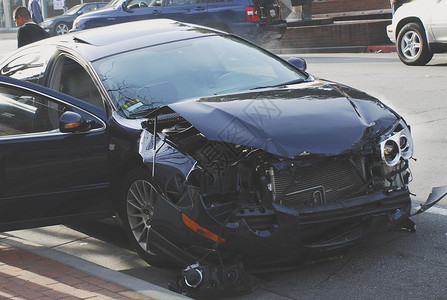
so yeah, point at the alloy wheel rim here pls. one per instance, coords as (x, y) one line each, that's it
(61, 29)
(140, 210)
(411, 45)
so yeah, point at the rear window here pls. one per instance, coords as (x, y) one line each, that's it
(29, 65)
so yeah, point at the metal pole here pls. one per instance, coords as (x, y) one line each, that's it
(154, 147)
(7, 12)
(43, 5)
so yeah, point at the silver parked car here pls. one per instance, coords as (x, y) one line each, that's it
(419, 29)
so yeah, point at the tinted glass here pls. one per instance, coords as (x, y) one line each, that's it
(23, 113)
(155, 76)
(134, 4)
(74, 80)
(183, 2)
(88, 8)
(72, 10)
(29, 65)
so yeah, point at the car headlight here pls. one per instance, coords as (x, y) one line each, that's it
(398, 145)
(75, 23)
(46, 23)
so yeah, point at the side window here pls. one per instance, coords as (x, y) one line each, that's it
(135, 4)
(29, 65)
(28, 113)
(183, 2)
(72, 79)
(88, 8)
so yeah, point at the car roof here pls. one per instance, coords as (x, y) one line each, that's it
(100, 42)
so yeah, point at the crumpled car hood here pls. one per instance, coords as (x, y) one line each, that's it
(316, 118)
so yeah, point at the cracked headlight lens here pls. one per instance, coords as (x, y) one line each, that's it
(391, 153)
(398, 145)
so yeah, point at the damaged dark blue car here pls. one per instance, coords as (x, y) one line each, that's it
(217, 155)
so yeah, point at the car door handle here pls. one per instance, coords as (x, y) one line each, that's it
(111, 19)
(200, 8)
(156, 12)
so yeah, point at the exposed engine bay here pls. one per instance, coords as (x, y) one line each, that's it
(265, 204)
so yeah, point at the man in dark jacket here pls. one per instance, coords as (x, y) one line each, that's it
(29, 31)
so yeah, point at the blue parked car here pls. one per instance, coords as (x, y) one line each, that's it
(61, 24)
(255, 20)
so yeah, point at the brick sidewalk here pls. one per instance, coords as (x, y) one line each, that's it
(24, 275)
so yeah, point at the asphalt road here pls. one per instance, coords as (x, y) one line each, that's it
(395, 265)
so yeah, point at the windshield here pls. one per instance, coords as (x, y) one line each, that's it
(72, 10)
(113, 2)
(144, 79)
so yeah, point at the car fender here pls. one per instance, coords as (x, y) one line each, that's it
(413, 12)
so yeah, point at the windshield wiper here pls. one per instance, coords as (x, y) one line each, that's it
(277, 85)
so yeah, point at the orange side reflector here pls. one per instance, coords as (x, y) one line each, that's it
(72, 125)
(201, 230)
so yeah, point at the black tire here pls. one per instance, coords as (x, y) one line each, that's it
(412, 45)
(61, 28)
(136, 210)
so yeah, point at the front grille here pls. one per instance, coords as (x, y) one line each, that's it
(318, 184)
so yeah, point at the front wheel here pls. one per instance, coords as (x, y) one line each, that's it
(412, 45)
(136, 210)
(61, 28)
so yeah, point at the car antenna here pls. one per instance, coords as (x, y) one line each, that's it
(154, 146)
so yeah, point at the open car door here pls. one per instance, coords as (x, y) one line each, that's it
(53, 157)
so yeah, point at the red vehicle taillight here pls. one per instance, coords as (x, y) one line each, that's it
(252, 14)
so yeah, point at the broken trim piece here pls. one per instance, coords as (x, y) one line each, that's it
(436, 195)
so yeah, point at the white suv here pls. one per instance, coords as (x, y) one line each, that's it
(419, 29)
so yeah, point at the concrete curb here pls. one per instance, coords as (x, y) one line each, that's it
(140, 286)
(381, 49)
(10, 31)
(8, 35)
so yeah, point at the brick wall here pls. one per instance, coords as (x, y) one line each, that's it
(337, 6)
(360, 33)
(334, 35)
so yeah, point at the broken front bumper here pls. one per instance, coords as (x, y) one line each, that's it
(291, 235)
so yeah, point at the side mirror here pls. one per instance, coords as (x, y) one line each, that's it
(298, 62)
(80, 12)
(73, 122)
